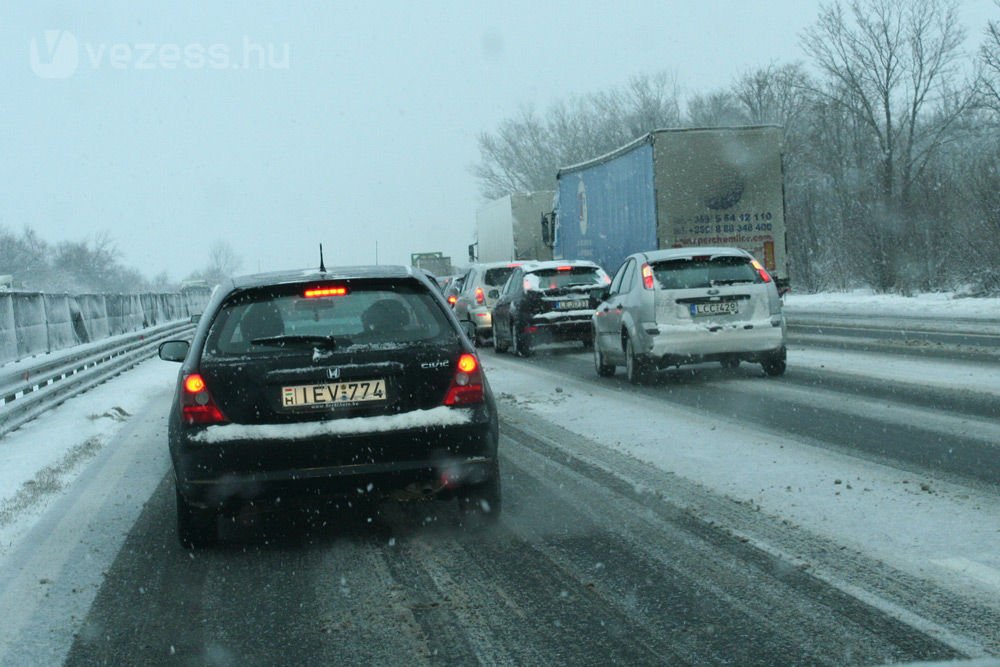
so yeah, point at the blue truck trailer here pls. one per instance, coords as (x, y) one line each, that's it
(674, 188)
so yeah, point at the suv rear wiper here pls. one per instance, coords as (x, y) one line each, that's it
(732, 281)
(322, 341)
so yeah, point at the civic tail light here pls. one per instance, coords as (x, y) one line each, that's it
(764, 275)
(197, 404)
(647, 276)
(480, 296)
(467, 384)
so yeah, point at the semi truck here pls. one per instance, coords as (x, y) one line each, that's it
(508, 229)
(674, 188)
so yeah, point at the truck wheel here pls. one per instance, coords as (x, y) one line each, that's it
(603, 368)
(196, 527)
(774, 363)
(636, 367)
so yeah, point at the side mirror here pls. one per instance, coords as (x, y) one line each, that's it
(174, 350)
(493, 293)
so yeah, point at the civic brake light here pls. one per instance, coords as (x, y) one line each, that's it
(647, 276)
(467, 384)
(480, 295)
(197, 404)
(764, 275)
(317, 292)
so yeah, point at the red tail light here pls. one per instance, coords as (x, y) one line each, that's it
(452, 300)
(647, 276)
(764, 275)
(564, 268)
(467, 384)
(197, 404)
(480, 296)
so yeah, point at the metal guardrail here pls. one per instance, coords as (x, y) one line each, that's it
(30, 390)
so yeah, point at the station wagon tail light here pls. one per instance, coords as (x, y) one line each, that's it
(197, 404)
(467, 384)
(480, 296)
(318, 292)
(647, 276)
(764, 275)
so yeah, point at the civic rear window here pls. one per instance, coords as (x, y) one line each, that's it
(690, 273)
(578, 276)
(370, 314)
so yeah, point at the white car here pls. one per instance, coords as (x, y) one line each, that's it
(689, 305)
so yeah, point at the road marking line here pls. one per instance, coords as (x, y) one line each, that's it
(970, 568)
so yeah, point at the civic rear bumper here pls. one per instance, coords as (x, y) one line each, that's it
(360, 465)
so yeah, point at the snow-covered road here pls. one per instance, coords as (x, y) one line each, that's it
(830, 471)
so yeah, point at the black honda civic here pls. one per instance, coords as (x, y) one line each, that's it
(329, 383)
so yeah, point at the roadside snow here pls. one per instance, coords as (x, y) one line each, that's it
(938, 305)
(40, 459)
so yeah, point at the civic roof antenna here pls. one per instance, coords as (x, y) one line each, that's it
(322, 266)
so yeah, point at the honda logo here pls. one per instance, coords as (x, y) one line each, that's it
(333, 373)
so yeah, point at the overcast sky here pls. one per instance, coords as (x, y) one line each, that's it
(276, 126)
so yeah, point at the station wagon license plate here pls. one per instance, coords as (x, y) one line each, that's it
(715, 308)
(333, 394)
(572, 305)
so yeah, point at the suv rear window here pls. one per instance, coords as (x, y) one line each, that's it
(545, 279)
(370, 314)
(497, 277)
(704, 272)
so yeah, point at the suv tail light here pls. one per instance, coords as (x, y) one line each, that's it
(480, 296)
(197, 404)
(647, 276)
(467, 384)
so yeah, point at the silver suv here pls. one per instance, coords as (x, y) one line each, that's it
(689, 305)
(480, 289)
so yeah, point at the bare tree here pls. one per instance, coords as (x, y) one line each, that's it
(526, 151)
(890, 63)
(717, 109)
(989, 56)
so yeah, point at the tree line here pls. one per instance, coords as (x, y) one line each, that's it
(94, 265)
(892, 154)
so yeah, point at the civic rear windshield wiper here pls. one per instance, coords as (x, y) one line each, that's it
(322, 341)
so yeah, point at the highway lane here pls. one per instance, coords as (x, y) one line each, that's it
(934, 430)
(582, 569)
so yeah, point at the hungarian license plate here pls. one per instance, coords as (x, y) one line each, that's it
(333, 394)
(572, 305)
(715, 308)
